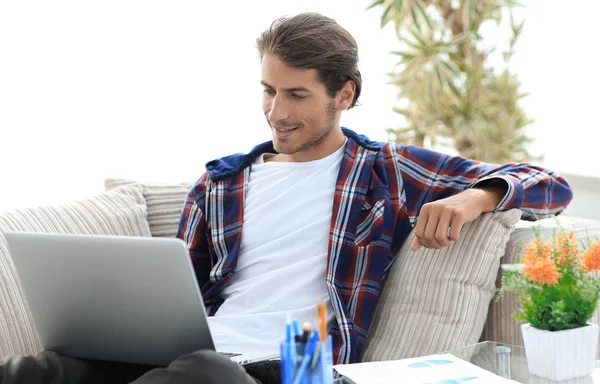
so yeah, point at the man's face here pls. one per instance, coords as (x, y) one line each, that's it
(298, 109)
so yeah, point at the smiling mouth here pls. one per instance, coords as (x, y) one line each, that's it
(286, 129)
(284, 132)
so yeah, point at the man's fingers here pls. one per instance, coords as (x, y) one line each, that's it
(457, 223)
(441, 233)
(421, 223)
(437, 227)
(429, 239)
(415, 245)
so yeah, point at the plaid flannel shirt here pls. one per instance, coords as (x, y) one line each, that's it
(380, 190)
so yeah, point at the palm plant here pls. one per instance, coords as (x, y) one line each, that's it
(448, 90)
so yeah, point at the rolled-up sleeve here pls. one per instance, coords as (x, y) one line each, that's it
(430, 176)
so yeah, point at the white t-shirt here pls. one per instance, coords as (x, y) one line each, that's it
(283, 255)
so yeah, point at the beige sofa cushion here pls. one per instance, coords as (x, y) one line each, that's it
(118, 212)
(437, 300)
(501, 326)
(164, 201)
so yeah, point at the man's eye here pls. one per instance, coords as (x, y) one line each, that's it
(269, 91)
(299, 97)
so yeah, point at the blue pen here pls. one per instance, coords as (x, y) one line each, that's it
(307, 357)
(286, 376)
(316, 356)
(296, 328)
(314, 366)
(289, 337)
(326, 359)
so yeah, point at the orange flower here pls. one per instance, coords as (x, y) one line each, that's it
(541, 270)
(591, 258)
(538, 265)
(538, 249)
(567, 246)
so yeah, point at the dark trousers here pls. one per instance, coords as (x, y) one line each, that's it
(200, 367)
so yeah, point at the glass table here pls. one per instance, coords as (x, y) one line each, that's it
(511, 362)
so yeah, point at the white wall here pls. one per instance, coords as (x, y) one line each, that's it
(586, 198)
(151, 90)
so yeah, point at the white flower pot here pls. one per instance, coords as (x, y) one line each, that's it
(561, 355)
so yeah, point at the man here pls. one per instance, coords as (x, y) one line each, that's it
(319, 212)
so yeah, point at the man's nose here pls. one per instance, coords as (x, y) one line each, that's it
(279, 111)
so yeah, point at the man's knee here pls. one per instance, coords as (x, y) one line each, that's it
(47, 367)
(200, 366)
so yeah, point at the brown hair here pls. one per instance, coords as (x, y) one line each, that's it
(313, 41)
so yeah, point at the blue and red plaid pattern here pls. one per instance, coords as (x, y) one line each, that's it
(380, 190)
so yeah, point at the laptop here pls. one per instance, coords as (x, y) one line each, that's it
(116, 298)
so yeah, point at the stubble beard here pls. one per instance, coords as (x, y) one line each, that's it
(314, 141)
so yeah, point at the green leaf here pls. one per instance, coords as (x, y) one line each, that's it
(443, 44)
(401, 111)
(450, 68)
(522, 95)
(376, 3)
(422, 10)
(512, 267)
(453, 88)
(404, 55)
(517, 29)
(414, 17)
(467, 14)
(416, 34)
(461, 37)
(398, 5)
(431, 93)
(419, 48)
(384, 16)
(439, 75)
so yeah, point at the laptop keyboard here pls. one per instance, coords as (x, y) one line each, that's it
(229, 354)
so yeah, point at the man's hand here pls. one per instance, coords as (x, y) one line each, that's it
(441, 221)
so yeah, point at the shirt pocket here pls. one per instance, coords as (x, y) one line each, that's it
(370, 221)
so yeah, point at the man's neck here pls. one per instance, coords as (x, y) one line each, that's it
(324, 149)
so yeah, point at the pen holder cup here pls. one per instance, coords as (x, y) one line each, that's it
(299, 366)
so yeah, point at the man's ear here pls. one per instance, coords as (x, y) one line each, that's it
(345, 95)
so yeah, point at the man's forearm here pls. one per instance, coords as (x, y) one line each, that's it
(492, 194)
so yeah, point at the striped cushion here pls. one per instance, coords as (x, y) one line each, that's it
(437, 300)
(119, 212)
(165, 204)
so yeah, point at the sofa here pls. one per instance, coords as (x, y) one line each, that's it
(432, 300)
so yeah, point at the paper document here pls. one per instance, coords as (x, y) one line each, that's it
(434, 369)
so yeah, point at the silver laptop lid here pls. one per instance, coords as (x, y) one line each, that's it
(114, 298)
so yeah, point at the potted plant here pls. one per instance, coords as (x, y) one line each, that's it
(557, 290)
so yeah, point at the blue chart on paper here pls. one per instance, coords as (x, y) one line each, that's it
(432, 363)
(429, 363)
